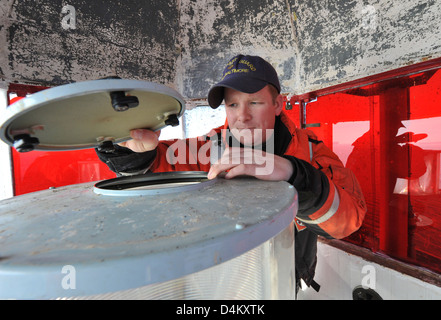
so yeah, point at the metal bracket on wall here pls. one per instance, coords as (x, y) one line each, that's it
(303, 104)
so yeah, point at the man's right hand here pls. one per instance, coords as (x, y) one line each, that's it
(142, 140)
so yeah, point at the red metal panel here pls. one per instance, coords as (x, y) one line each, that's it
(38, 170)
(387, 129)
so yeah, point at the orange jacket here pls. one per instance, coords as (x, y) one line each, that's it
(331, 203)
(336, 213)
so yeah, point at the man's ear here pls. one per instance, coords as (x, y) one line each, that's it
(279, 104)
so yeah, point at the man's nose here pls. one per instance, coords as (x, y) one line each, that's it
(244, 113)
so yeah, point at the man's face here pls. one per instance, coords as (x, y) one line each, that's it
(251, 115)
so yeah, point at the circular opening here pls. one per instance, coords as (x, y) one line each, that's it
(153, 183)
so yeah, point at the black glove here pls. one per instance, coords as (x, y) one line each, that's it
(124, 160)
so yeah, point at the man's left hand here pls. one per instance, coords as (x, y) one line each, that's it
(252, 162)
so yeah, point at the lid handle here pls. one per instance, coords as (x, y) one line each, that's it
(121, 102)
(25, 143)
(172, 120)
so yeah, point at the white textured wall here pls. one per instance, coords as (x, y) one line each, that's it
(339, 272)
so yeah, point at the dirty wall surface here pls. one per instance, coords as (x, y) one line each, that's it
(53, 43)
(185, 43)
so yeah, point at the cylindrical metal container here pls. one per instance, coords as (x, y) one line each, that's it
(213, 239)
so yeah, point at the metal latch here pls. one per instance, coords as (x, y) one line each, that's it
(303, 104)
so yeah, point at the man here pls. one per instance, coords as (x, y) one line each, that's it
(259, 140)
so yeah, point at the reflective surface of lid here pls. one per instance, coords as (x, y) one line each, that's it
(84, 114)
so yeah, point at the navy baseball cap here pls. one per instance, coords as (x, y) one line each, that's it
(247, 74)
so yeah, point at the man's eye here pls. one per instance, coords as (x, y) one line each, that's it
(232, 105)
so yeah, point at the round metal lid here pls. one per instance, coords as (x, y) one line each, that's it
(84, 114)
(118, 243)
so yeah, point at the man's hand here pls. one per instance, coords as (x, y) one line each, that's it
(142, 140)
(256, 163)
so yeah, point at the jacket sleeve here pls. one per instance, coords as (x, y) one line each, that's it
(331, 203)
